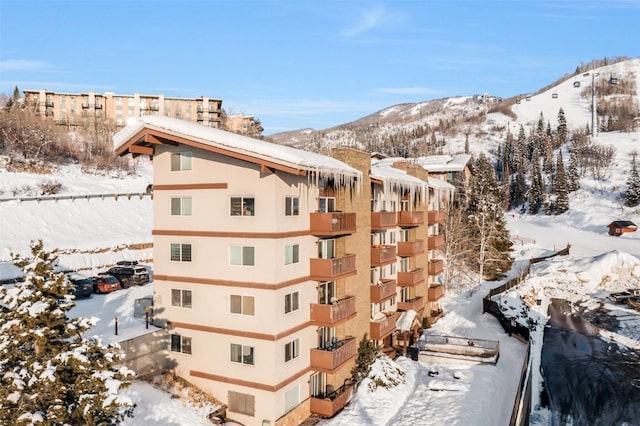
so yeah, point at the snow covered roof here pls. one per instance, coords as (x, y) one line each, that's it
(405, 320)
(441, 185)
(393, 178)
(140, 135)
(444, 163)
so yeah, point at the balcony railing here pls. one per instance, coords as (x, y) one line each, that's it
(383, 290)
(436, 266)
(383, 220)
(48, 103)
(436, 216)
(411, 278)
(98, 105)
(436, 242)
(85, 105)
(329, 359)
(330, 314)
(334, 223)
(382, 328)
(382, 254)
(331, 269)
(329, 404)
(417, 304)
(408, 219)
(436, 292)
(410, 248)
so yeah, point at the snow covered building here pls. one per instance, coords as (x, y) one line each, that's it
(271, 263)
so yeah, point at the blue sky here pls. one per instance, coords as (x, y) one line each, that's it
(300, 63)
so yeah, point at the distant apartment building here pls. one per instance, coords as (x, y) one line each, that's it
(75, 109)
(272, 263)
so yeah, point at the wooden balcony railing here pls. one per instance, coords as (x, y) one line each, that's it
(408, 219)
(411, 278)
(410, 248)
(382, 291)
(334, 223)
(383, 220)
(436, 242)
(417, 304)
(435, 216)
(382, 328)
(331, 269)
(328, 405)
(330, 314)
(436, 292)
(382, 255)
(436, 266)
(329, 359)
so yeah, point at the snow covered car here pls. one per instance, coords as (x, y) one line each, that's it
(129, 275)
(83, 285)
(105, 283)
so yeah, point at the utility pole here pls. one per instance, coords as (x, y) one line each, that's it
(594, 116)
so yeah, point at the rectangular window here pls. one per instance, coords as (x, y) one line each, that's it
(327, 249)
(181, 206)
(326, 204)
(180, 161)
(243, 305)
(181, 298)
(291, 207)
(241, 255)
(242, 354)
(291, 302)
(242, 206)
(291, 254)
(242, 403)
(291, 350)
(180, 344)
(181, 252)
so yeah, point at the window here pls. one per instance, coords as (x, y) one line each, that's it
(326, 292)
(181, 252)
(291, 206)
(291, 302)
(181, 206)
(291, 254)
(392, 237)
(404, 235)
(242, 206)
(326, 204)
(180, 344)
(180, 161)
(242, 354)
(181, 298)
(241, 255)
(291, 350)
(243, 305)
(327, 249)
(242, 403)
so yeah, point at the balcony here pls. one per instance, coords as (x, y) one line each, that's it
(199, 109)
(411, 278)
(329, 404)
(383, 291)
(213, 110)
(416, 304)
(154, 107)
(408, 219)
(330, 314)
(331, 224)
(98, 105)
(436, 266)
(379, 329)
(436, 292)
(382, 254)
(329, 359)
(48, 113)
(48, 103)
(436, 216)
(383, 220)
(436, 242)
(85, 105)
(332, 269)
(200, 117)
(410, 248)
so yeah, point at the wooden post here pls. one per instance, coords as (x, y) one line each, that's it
(116, 326)
(146, 315)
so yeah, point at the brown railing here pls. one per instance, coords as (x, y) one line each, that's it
(330, 358)
(328, 405)
(436, 266)
(383, 220)
(330, 269)
(329, 314)
(410, 248)
(382, 254)
(334, 223)
(407, 218)
(383, 290)
(436, 292)
(435, 216)
(436, 242)
(382, 328)
(411, 278)
(417, 304)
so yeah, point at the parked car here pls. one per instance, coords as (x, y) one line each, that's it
(127, 263)
(83, 285)
(129, 275)
(104, 283)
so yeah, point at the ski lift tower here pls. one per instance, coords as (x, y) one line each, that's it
(594, 114)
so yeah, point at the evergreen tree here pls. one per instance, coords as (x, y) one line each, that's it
(573, 176)
(518, 190)
(536, 192)
(49, 372)
(367, 354)
(632, 196)
(522, 150)
(560, 189)
(561, 135)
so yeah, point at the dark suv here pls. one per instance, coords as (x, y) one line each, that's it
(129, 275)
(83, 285)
